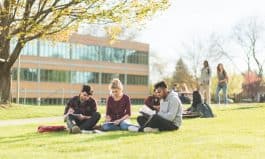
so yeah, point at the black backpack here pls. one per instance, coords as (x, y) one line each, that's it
(205, 110)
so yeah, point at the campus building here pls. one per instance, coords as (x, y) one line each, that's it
(52, 72)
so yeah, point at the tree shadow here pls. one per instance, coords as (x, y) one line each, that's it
(249, 107)
(31, 136)
(243, 108)
(51, 135)
(117, 135)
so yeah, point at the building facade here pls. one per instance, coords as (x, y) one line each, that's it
(52, 72)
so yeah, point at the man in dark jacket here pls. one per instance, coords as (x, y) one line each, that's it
(81, 111)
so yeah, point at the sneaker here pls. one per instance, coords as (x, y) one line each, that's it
(75, 130)
(97, 131)
(133, 128)
(149, 129)
(87, 131)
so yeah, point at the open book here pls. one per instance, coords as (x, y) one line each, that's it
(146, 110)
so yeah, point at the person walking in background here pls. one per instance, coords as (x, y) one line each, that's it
(205, 82)
(222, 83)
(118, 108)
(81, 111)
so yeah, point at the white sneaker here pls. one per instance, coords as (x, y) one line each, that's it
(133, 128)
(87, 131)
(98, 131)
(149, 129)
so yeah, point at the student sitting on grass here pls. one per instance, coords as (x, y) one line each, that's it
(118, 108)
(153, 102)
(198, 108)
(81, 111)
(169, 116)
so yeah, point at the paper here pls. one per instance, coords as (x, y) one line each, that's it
(146, 110)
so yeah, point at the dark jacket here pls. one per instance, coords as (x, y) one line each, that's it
(86, 108)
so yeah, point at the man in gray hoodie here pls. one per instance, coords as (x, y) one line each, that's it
(169, 116)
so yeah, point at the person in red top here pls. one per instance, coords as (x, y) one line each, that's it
(118, 108)
(153, 102)
(81, 111)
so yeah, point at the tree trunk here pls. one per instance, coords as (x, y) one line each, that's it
(5, 84)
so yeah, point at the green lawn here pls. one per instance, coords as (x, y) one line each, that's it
(29, 111)
(238, 131)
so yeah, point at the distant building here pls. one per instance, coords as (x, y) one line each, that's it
(52, 72)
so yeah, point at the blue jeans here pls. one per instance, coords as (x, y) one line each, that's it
(224, 89)
(110, 126)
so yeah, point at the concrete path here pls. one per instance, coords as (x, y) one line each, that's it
(40, 121)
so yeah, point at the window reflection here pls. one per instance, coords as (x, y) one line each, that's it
(108, 77)
(54, 49)
(76, 77)
(82, 52)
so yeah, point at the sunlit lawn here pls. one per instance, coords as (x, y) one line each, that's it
(31, 111)
(237, 131)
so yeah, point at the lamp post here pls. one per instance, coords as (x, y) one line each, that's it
(18, 80)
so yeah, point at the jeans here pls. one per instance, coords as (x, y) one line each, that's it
(111, 126)
(224, 89)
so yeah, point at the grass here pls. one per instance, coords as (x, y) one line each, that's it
(30, 111)
(238, 131)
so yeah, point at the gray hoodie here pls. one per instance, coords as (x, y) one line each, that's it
(171, 108)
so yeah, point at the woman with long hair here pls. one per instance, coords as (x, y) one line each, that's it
(118, 108)
(222, 83)
(205, 82)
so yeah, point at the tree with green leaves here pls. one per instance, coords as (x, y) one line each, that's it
(26, 20)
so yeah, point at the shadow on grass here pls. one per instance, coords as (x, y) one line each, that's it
(31, 136)
(113, 135)
(244, 108)
(117, 135)
(52, 136)
(251, 107)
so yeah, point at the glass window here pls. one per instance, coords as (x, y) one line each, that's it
(137, 101)
(85, 52)
(136, 57)
(106, 54)
(84, 77)
(54, 76)
(54, 49)
(28, 74)
(137, 80)
(114, 55)
(108, 77)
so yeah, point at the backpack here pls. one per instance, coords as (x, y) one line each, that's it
(205, 110)
(42, 128)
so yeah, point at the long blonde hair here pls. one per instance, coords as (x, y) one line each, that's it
(115, 84)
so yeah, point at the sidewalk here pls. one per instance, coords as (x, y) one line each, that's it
(40, 121)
